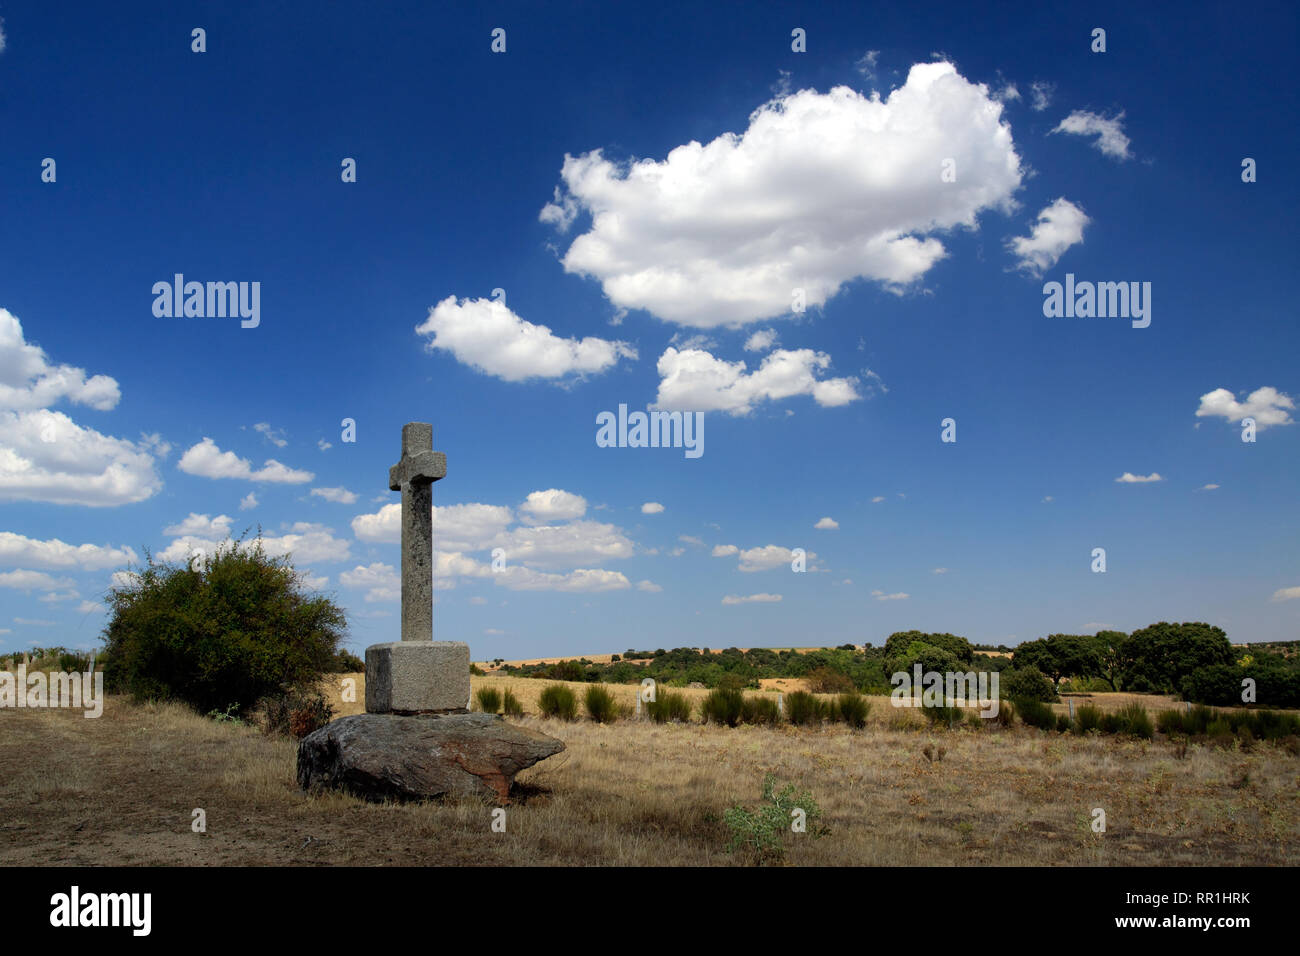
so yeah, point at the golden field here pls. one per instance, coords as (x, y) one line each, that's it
(121, 790)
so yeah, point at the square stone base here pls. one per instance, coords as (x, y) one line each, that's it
(417, 677)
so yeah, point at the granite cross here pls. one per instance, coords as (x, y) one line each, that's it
(414, 476)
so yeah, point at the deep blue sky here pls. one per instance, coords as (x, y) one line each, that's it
(225, 165)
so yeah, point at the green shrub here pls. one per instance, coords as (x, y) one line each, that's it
(510, 705)
(1026, 683)
(1036, 714)
(345, 662)
(760, 710)
(669, 707)
(827, 680)
(1135, 721)
(1063, 723)
(600, 704)
(556, 700)
(234, 629)
(1170, 722)
(723, 706)
(1086, 718)
(945, 715)
(1006, 715)
(852, 709)
(489, 700)
(762, 831)
(802, 708)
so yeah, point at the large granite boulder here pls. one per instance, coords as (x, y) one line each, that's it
(392, 756)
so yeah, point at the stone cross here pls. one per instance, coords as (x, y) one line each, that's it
(414, 476)
(417, 675)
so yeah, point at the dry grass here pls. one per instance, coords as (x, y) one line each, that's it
(121, 789)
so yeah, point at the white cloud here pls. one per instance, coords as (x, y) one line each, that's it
(552, 505)
(28, 380)
(1266, 405)
(3, 43)
(821, 189)
(338, 495)
(1111, 140)
(1059, 227)
(486, 335)
(1210, 487)
(939, 571)
(690, 539)
(896, 596)
(764, 558)
(124, 579)
(201, 525)
(248, 502)
(323, 445)
(308, 543)
(579, 542)
(1007, 94)
(464, 527)
(56, 596)
(378, 580)
(581, 580)
(826, 524)
(1286, 594)
(1128, 478)
(274, 435)
(478, 600)
(866, 64)
(878, 499)
(1041, 91)
(693, 380)
(24, 580)
(761, 341)
(313, 582)
(16, 549)
(762, 598)
(652, 508)
(648, 586)
(1048, 499)
(90, 607)
(46, 456)
(208, 461)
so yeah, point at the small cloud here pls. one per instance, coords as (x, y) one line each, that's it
(323, 445)
(339, 496)
(878, 499)
(1111, 140)
(763, 598)
(1210, 487)
(248, 502)
(1128, 478)
(1048, 499)
(896, 596)
(1058, 227)
(1041, 93)
(939, 571)
(652, 508)
(1266, 405)
(1281, 594)
(866, 64)
(761, 341)
(90, 607)
(1007, 94)
(493, 631)
(725, 550)
(477, 600)
(690, 539)
(649, 586)
(827, 524)
(274, 436)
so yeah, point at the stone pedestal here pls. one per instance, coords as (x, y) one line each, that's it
(417, 677)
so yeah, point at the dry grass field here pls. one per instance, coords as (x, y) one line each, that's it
(122, 789)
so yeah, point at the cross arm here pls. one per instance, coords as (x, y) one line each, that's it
(422, 466)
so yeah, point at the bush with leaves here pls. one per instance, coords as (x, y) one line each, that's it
(489, 700)
(723, 706)
(233, 629)
(852, 709)
(600, 704)
(669, 707)
(1036, 714)
(802, 708)
(556, 700)
(760, 710)
(1026, 683)
(510, 705)
(296, 713)
(762, 831)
